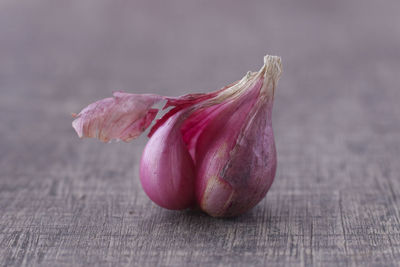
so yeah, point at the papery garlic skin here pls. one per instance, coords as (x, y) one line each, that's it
(215, 151)
(123, 117)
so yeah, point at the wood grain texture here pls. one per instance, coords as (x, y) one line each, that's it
(71, 202)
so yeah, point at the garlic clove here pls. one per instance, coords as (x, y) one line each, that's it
(235, 152)
(167, 169)
(247, 170)
(213, 151)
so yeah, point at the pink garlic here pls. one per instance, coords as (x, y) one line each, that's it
(166, 169)
(215, 151)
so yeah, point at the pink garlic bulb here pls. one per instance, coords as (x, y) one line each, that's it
(214, 151)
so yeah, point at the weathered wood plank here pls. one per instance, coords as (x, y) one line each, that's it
(68, 202)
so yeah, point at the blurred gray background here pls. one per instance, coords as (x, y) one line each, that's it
(335, 200)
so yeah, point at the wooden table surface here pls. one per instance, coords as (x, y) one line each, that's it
(70, 202)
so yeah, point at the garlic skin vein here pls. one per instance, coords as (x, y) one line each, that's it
(215, 151)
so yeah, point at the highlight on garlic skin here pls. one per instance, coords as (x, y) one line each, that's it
(215, 151)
